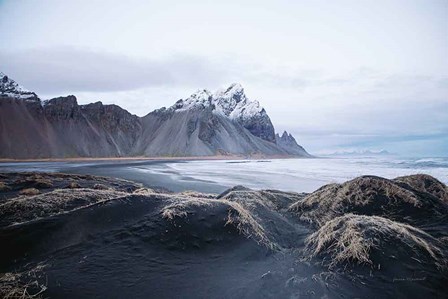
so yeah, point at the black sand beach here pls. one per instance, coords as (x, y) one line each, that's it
(83, 236)
(123, 170)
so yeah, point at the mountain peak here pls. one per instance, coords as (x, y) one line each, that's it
(234, 94)
(231, 102)
(234, 88)
(199, 99)
(10, 88)
(288, 143)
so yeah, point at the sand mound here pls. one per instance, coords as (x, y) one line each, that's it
(369, 195)
(242, 243)
(26, 208)
(14, 183)
(254, 214)
(374, 241)
(225, 213)
(425, 183)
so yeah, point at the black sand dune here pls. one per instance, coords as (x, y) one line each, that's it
(76, 236)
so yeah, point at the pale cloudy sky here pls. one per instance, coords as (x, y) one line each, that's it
(339, 75)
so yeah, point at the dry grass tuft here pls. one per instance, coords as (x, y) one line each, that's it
(426, 183)
(195, 194)
(42, 183)
(29, 191)
(366, 196)
(144, 191)
(23, 285)
(247, 224)
(181, 207)
(352, 238)
(25, 208)
(73, 185)
(33, 181)
(100, 187)
(237, 214)
(4, 187)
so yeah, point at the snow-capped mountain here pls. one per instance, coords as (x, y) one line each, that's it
(9, 88)
(205, 124)
(232, 103)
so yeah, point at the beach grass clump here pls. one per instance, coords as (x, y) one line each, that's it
(32, 205)
(191, 193)
(182, 206)
(351, 239)
(247, 224)
(144, 191)
(236, 215)
(29, 191)
(42, 183)
(73, 185)
(4, 187)
(100, 187)
(426, 183)
(366, 195)
(23, 285)
(33, 180)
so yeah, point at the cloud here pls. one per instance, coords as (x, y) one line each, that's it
(59, 70)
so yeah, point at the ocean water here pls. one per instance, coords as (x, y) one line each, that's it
(299, 175)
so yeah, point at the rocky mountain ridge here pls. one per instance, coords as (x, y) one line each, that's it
(204, 124)
(289, 144)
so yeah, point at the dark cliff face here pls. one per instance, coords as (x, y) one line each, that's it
(61, 128)
(93, 129)
(114, 119)
(62, 108)
(260, 125)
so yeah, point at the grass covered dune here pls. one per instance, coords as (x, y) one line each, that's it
(367, 237)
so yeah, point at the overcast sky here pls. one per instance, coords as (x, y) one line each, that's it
(339, 75)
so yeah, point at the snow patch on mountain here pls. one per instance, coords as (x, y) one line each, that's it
(200, 99)
(9, 88)
(231, 102)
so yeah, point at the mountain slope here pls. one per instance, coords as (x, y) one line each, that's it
(199, 132)
(204, 124)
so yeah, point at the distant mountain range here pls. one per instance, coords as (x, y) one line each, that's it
(363, 153)
(205, 124)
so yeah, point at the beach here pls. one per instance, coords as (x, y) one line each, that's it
(78, 235)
